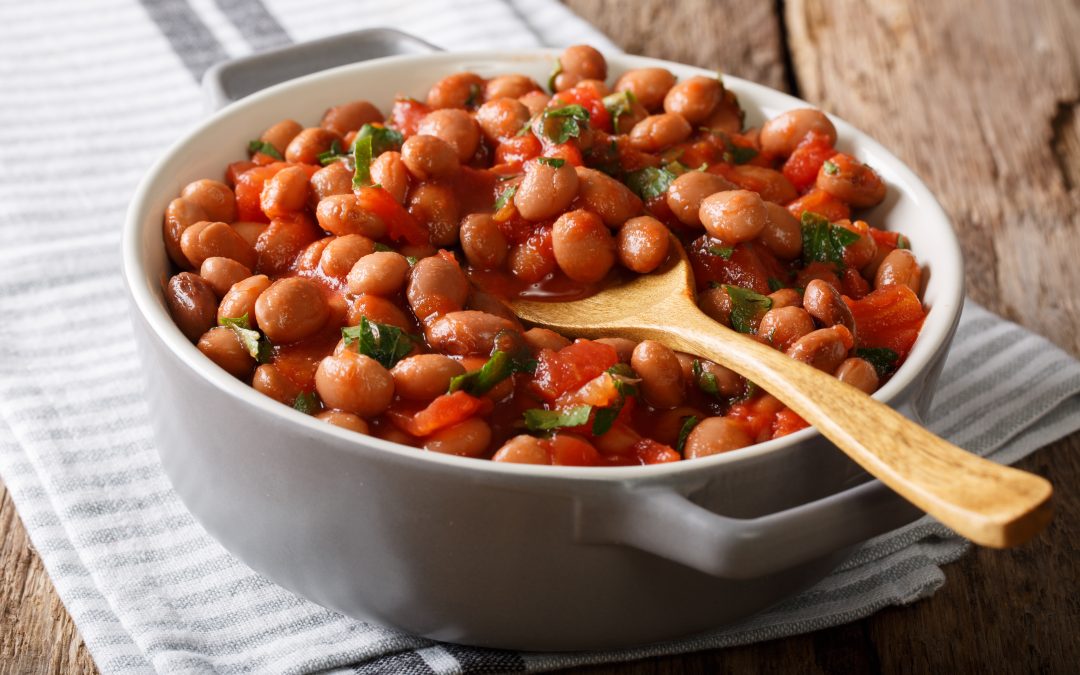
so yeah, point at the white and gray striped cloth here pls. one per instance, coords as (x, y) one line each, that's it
(92, 92)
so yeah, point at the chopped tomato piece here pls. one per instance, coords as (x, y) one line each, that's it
(599, 391)
(566, 151)
(446, 410)
(888, 317)
(822, 203)
(852, 284)
(571, 367)
(570, 450)
(787, 422)
(599, 117)
(249, 187)
(400, 225)
(744, 267)
(282, 242)
(233, 171)
(517, 150)
(758, 415)
(649, 451)
(802, 167)
(405, 115)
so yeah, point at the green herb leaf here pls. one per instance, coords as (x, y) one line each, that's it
(361, 152)
(383, 139)
(562, 124)
(737, 154)
(381, 247)
(688, 424)
(830, 167)
(479, 382)
(265, 148)
(883, 359)
(650, 182)
(903, 242)
(524, 130)
(619, 103)
(823, 241)
(746, 307)
(474, 95)
(236, 322)
(604, 419)
(306, 402)
(253, 341)
(555, 72)
(504, 197)
(775, 284)
(386, 344)
(706, 382)
(545, 420)
(332, 155)
(553, 162)
(721, 251)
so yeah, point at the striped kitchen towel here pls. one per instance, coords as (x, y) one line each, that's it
(92, 93)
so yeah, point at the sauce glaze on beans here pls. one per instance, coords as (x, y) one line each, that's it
(355, 269)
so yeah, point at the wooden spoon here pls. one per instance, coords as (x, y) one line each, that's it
(990, 504)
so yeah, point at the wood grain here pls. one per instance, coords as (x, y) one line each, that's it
(980, 98)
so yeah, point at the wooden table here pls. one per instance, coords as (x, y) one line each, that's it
(981, 98)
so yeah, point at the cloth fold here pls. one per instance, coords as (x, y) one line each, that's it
(110, 85)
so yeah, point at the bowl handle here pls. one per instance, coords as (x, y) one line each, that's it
(660, 520)
(232, 80)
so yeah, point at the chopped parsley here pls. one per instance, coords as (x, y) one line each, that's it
(830, 167)
(500, 366)
(824, 242)
(650, 182)
(724, 252)
(706, 381)
(883, 359)
(386, 344)
(746, 307)
(553, 162)
(545, 420)
(361, 151)
(383, 139)
(412, 260)
(775, 284)
(504, 197)
(624, 379)
(474, 95)
(688, 424)
(555, 72)
(254, 342)
(381, 247)
(562, 124)
(737, 154)
(903, 242)
(306, 402)
(265, 148)
(619, 103)
(332, 155)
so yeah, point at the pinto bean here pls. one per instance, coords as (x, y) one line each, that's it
(424, 376)
(286, 192)
(249, 231)
(269, 380)
(785, 297)
(354, 383)
(334, 179)
(727, 117)
(291, 309)
(389, 171)
(543, 338)
(281, 242)
(734, 216)
(459, 90)
(307, 145)
(623, 348)
(492, 304)
(502, 118)
(648, 85)
(783, 133)
(214, 239)
(658, 132)
(728, 382)
(465, 439)
(240, 300)
(583, 61)
(522, 449)
(862, 251)
(509, 86)
(377, 309)
(606, 197)
(436, 207)
(772, 185)
(546, 191)
(535, 101)
(823, 302)
(454, 126)
(824, 349)
(661, 375)
(340, 418)
(717, 304)
(694, 98)
(222, 346)
(179, 216)
(783, 326)
(467, 332)
(484, 244)
(191, 302)
(214, 197)
(899, 268)
(342, 253)
(849, 180)
(715, 435)
(532, 260)
(429, 157)
(782, 234)
(584, 248)
(222, 273)
(436, 286)
(345, 214)
(346, 117)
(642, 244)
(308, 260)
(380, 273)
(859, 373)
(688, 191)
(281, 134)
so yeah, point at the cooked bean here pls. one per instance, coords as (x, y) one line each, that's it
(642, 244)
(661, 376)
(341, 119)
(522, 449)
(862, 251)
(694, 98)
(380, 273)
(454, 126)
(543, 338)
(191, 303)
(209, 240)
(222, 273)
(509, 86)
(685, 194)
(291, 309)
(734, 216)
(546, 191)
(340, 418)
(269, 380)
(309, 144)
(179, 216)
(823, 302)
(664, 428)
(535, 101)
(459, 90)
(623, 348)
(785, 297)
(436, 207)
(533, 259)
(727, 117)
(606, 197)
(249, 231)
(625, 122)
(281, 242)
(467, 332)
(502, 118)
(286, 192)
(783, 326)
(584, 248)
(714, 435)
(342, 253)
(584, 61)
(465, 439)
(222, 346)
(824, 349)
(899, 267)
(436, 286)
(657, 132)
(783, 133)
(772, 185)
(429, 157)
(377, 309)
(782, 234)
(334, 179)
(240, 300)
(389, 171)
(717, 304)
(648, 85)
(849, 180)
(281, 134)
(308, 260)
(728, 382)
(424, 376)
(492, 304)
(345, 214)
(354, 383)
(215, 198)
(859, 374)
(484, 244)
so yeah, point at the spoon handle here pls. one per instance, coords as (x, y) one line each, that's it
(990, 504)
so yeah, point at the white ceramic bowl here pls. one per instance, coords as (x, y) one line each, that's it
(484, 553)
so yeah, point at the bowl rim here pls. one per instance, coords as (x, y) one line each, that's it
(934, 336)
